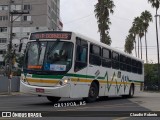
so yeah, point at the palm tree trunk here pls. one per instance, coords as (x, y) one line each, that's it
(157, 50)
(159, 21)
(103, 35)
(138, 46)
(146, 47)
(135, 48)
(103, 29)
(141, 46)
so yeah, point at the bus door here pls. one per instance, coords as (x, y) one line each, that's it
(94, 67)
(94, 61)
(80, 67)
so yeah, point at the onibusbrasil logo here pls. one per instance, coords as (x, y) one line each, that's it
(21, 115)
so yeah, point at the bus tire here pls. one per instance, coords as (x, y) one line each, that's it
(53, 99)
(93, 93)
(131, 91)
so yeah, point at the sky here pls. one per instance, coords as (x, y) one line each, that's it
(79, 16)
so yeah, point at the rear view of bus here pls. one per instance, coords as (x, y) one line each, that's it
(48, 57)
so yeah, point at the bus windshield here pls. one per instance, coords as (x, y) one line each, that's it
(49, 56)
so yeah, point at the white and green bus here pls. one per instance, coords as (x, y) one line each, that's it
(61, 64)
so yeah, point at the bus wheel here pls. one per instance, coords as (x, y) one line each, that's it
(131, 91)
(53, 99)
(93, 93)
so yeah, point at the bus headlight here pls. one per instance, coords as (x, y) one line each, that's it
(64, 81)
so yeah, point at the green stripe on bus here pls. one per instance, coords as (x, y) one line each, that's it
(79, 75)
(135, 81)
(83, 76)
(48, 76)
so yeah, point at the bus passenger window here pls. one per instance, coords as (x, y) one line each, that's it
(139, 68)
(81, 55)
(128, 66)
(95, 55)
(106, 58)
(115, 60)
(123, 62)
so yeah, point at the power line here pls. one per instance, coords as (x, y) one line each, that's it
(75, 20)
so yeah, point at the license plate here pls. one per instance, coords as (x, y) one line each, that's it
(40, 90)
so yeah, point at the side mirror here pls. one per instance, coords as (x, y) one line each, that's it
(20, 47)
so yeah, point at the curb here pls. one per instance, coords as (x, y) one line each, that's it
(151, 91)
(12, 94)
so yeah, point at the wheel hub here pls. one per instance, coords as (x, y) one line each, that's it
(92, 92)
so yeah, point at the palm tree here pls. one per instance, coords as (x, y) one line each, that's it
(102, 10)
(136, 30)
(133, 31)
(156, 4)
(8, 56)
(108, 40)
(146, 17)
(129, 44)
(138, 22)
(141, 34)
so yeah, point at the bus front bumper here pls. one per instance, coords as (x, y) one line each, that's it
(57, 91)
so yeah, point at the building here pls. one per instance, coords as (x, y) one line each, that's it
(43, 15)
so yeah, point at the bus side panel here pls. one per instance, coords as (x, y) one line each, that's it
(79, 90)
(80, 85)
(111, 86)
(102, 81)
(102, 89)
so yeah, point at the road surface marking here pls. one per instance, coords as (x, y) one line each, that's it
(2, 118)
(73, 109)
(122, 118)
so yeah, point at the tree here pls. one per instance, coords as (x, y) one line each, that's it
(19, 60)
(150, 75)
(102, 11)
(146, 17)
(133, 30)
(129, 44)
(9, 56)
(138, 22)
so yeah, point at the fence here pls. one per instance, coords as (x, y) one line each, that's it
(4, 82)
(151, 83)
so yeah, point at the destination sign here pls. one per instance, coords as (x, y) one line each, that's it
(51, 35)
(34, 67)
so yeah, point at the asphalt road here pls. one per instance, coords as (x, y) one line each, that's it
(144, 101)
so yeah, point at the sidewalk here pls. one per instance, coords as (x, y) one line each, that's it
(12, 94)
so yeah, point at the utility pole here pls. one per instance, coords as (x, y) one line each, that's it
(9, 59)
(10, 49)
